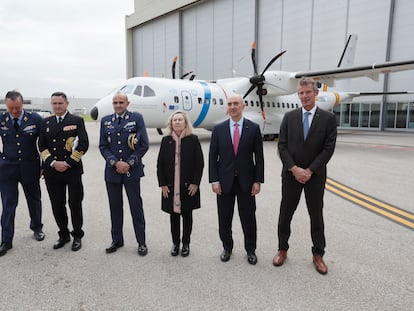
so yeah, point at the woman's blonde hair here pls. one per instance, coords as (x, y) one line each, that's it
(188, 125)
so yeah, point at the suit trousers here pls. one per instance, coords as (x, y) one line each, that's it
(10, 198)
(291, 193)
(56, 184)
(187, 227)
(247, 212)
(117, 212)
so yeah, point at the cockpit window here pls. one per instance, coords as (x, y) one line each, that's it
(148, 91)
(127, 89)
(138, 90)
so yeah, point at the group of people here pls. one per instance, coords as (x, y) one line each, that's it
(236, 171)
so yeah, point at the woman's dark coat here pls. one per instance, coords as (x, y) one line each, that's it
(192, 164)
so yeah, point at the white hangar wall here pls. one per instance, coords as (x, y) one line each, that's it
(213, 38)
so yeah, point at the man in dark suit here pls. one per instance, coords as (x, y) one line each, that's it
(236, 169)
(19, 163)
(63, 141)
(123, 142)
(307, 140)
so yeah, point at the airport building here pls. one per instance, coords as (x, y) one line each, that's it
(213, 39)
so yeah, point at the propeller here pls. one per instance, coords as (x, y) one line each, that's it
(173, 70)
(173, 67)
(258, 80)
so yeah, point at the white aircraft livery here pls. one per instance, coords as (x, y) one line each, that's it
(275, 93)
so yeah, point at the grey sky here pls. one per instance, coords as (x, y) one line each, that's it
(74, 46)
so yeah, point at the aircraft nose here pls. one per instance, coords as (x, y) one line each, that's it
(94, 113)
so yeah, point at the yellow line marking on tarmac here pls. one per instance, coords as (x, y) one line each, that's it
(384, 209)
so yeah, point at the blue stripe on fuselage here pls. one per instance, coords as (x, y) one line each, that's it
(206, 104)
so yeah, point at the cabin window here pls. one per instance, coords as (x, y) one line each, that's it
(148, 91)
(127, 89)
(138, 90)
(176, 99)
(214, 101)
(251, 103)
(268, 105)
(273, 104)
(287, 105)
(278, 105)
(283, 105)
(221, 101)
(257, 104)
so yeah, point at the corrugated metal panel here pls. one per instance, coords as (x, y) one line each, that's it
(154, 46)
(269, 41)
(217, 34)
(402, 46)
(297, 28)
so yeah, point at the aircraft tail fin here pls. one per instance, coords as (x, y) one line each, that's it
(347, 59)
(348, 54)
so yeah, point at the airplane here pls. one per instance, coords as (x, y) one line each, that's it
(206, 105)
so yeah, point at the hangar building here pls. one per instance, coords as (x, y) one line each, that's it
(213, 38)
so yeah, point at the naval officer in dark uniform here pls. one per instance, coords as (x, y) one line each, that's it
(63, 141)
(19, 163)
(123, 142)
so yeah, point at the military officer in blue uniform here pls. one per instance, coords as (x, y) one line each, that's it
(63, 141)
(19, 163)
(123, 142)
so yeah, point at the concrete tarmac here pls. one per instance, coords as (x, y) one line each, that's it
(370, 258)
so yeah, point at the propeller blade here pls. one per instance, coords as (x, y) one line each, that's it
(252, 87)
(186, 74)
(254, 58)
(173, 67)
(272, 61)
(260, 93)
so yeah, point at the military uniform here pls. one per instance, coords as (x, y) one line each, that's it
(124, 140)
(65, 141)
(20, 162)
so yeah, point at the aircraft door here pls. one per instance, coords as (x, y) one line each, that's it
(186, 100)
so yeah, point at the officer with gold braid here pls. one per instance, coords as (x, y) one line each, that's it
(62, 143)
(123, 142)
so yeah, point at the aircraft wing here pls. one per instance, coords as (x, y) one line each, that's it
(370, 71)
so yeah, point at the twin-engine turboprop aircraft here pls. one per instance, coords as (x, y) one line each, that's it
(206, 104)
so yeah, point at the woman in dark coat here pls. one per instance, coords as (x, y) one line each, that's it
(179, 169)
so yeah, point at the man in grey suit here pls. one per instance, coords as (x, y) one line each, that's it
(307, 140)
(236, 169)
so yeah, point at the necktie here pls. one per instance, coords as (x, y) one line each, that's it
(306, 124)
(59, 120)
(16, 124)
(236, 138)
(119, 120)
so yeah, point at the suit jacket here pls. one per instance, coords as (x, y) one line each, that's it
(57, 142)
(247, 165)
(127, 142)
(20, 147)
(192, 164)
(314, 152)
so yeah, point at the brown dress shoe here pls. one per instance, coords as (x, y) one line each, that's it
(279, 258)
(320, 265)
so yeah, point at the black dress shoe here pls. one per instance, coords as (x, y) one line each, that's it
(142, 249)
(61, 242)
(225, 255)
(39, 235)
(185, 251)
(114, 247)
(175, 250)
(252, 258)
(77, 244)
(4, 247)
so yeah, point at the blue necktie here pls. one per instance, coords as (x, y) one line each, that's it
(16, 123)
(306, 124)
